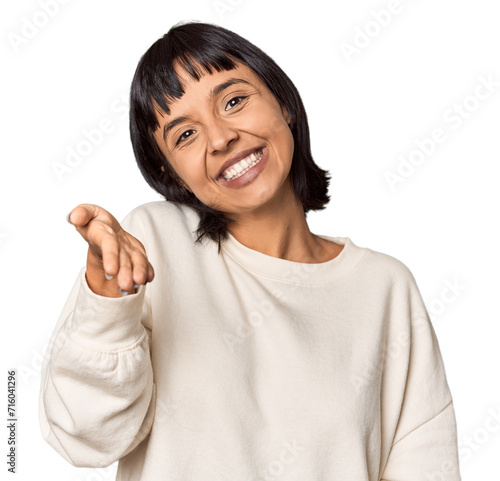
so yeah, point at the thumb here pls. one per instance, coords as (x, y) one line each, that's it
(82, 214)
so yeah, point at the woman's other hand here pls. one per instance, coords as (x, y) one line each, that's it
(116, 261)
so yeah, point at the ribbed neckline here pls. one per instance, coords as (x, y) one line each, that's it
(299, 273)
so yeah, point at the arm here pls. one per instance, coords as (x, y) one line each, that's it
(97, 395)
(425, 444)
(428, 452)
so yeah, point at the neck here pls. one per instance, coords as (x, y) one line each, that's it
(279, 229)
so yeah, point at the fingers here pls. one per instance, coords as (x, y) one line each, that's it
(125, 279)
(151, 272)
(110, 252)
(142, 271)
(140, 268)
(124, 257)
(134, 270)
(113, 252)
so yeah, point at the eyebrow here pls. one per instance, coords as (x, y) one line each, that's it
(213, 93)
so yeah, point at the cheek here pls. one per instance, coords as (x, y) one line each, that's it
(279, 128)
(268, 124)
(193, 172)
(280, 135)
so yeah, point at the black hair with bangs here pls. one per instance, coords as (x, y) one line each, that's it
(212, 47)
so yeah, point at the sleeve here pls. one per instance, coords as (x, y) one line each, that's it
(425, 444)
(97, 395)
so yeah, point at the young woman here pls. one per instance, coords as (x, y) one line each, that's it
(212, 335)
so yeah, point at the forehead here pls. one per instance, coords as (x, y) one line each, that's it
(208, 80)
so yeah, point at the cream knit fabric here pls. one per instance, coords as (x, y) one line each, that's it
(242, 366)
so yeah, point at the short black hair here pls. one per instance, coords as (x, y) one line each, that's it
(201, 48)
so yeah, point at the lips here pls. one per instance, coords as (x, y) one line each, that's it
(237, 157)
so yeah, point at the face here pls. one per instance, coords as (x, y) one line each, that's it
(229, 140)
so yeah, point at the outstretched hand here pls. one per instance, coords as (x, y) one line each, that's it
(117, 262)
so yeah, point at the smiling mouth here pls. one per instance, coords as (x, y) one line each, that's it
(244, 165)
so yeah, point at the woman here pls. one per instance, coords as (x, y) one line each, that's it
(212, 335)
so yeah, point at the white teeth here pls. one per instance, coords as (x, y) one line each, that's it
(238, 169)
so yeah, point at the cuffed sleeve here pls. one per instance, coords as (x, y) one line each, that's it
(97, 393)
(107, 323)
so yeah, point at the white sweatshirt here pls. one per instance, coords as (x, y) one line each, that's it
(243, 366)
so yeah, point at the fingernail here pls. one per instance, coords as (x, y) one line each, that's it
(67, 218)
(136, 286)
(123, 293)
(108, 277)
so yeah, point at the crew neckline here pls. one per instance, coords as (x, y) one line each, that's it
(292, 272)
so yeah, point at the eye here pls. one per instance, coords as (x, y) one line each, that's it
(184, 136)
(235, 101)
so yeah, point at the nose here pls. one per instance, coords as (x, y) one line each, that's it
(220, 135)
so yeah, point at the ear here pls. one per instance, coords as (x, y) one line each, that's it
(285, 113)
(179, 181)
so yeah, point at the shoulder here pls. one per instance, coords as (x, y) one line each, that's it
(159, 210)
(388, 276)
(163, 219)
(382, 266)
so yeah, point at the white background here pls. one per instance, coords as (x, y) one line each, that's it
(366, 111)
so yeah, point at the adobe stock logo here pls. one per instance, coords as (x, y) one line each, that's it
(364, 36)
(453, 290)
(90, 139)
(453, 117)
(468, 445)
(224, 6)
(31, 27)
